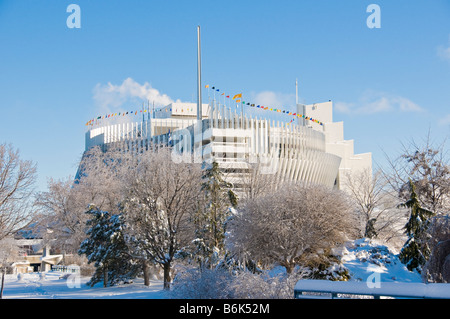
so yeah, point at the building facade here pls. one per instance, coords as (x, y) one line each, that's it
(306, 151)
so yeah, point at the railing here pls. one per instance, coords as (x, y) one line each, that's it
(324, 289)
(69, 269)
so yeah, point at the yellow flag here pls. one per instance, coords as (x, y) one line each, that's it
(207, 86)
(237, 95)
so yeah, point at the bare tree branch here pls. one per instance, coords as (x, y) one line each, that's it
(17, 178)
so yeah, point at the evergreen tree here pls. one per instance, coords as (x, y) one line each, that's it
(211, 219)
(415, 252)
(106, 248)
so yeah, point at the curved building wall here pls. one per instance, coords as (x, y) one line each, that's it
(288, 151)
(291, 152)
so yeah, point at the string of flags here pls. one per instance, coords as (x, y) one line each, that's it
(93, 121)
(238, 99)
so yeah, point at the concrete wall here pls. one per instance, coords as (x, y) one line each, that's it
(334, 139)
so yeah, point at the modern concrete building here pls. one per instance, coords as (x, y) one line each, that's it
(312, 151)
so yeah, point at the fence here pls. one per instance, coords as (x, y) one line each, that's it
(69, 269)
(323, 289)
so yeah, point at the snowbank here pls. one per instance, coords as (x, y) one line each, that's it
(365, 257)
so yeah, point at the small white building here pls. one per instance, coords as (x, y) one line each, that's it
(33, 256)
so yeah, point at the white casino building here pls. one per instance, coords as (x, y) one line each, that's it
(299, 151)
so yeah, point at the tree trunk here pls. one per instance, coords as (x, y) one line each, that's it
(167, 278)
(105, 277)
(3, 284)
(289, 268)
(146, 270)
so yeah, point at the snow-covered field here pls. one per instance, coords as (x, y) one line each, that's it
(54, 286)
(362, 258)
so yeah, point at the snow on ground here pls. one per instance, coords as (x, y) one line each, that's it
(54, 286)
(362, 258)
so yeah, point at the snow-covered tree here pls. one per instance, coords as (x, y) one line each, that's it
(106, 248)
(427, 166)
(416, 251)
(219, 283)
(8, 252)
(61, 215)
(288, 225)
(211, 217)
(17, 178)
(257, 181)
(437, 267)
(62, 207)
(160, 200)
(375, 204)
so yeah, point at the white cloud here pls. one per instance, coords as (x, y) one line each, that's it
(111, 97)
(445, 120)
(377, 102)
(274, 99)
(444, 52)
(343, 107)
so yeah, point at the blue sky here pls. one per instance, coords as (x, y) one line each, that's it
(388, 85)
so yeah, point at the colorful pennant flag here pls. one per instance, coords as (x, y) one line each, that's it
(236, 97)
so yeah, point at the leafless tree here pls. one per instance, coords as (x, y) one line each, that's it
(61, 222)
(161, 196)
(63, 206)
(287, 225)
(437, 268)
(8, 251)
(101, 177)
(375, 204)
(257, 181)
(17, 178)
(427, 165)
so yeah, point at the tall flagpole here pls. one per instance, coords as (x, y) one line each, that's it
(296, 92)
(198, 150)
(199, 77)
